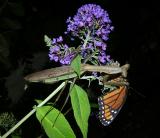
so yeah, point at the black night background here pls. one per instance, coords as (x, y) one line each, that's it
(135, 40)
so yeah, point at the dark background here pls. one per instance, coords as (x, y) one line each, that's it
(135, 40)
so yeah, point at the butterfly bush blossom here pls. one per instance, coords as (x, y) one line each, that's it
(60, 52)
(92, 26)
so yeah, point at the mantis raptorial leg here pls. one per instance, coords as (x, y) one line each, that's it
(66, 100)
(56, 100)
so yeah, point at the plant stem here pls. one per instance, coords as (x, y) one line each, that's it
(86, 40)
(33, 111)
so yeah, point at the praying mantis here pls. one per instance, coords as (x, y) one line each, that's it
(53, 75)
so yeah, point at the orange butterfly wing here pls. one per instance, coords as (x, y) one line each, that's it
(110, 104)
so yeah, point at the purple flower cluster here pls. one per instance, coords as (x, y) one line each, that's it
(60, 52)
(92, 26)
(90, 17)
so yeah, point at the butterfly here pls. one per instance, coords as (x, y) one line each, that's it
(110, 103)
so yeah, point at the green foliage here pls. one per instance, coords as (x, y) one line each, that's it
(7, 121)
(38, 101)
(54, 123)
(47, 40)
(81, 108)
(76, 64)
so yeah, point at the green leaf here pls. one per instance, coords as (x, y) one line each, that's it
(81, 108)
(38, 101)
(47, 40)
(54, 123)
(76, 64)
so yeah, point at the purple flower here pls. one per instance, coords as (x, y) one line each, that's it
(104, 31)
(62, 61)
(67, 59)
(50, 57)
(98, 43)
(53, 41)
(104, 37)
(68, 20)
(54, 49)
(106, 19)
(90, 46)
(112, 28)
(95, 74)
(108, 58)
(60, 39)
(98, 32)
(103, 58)
(104, 46)
(53, 57)
(65, 46)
